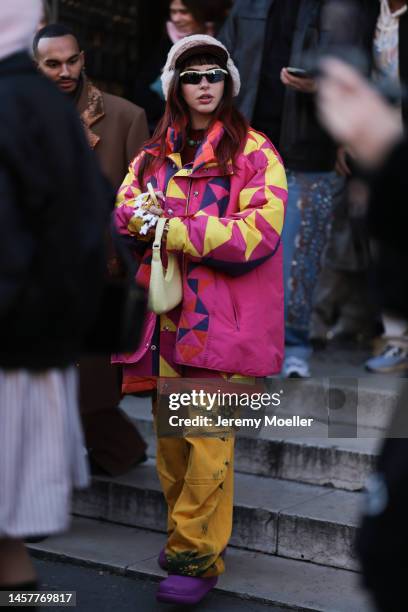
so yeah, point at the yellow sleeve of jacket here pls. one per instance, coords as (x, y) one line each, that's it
(243, 240)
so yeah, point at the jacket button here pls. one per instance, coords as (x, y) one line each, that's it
(153, 347)
(196, 193)
(170, 211)
(166, 328)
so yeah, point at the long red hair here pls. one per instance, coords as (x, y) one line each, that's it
(177, 115)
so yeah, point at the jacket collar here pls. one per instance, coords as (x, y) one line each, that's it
(91, 109)
(206, 152)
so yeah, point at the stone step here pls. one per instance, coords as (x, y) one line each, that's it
(343, 463)
(365, 402)
(273, 516)
(295, 585)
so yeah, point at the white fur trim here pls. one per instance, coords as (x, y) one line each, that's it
(189, 42)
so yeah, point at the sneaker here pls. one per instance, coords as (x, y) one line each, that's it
(295, 367)
(392, 359)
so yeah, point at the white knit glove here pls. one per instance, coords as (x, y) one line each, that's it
(142, 211)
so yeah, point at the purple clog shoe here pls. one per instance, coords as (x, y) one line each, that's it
(185, 590)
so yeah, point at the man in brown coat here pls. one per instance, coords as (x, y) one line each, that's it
(115, 129)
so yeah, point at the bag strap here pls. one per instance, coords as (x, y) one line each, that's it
(152, 194)
(161, 222)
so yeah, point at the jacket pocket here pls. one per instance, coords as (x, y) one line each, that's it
(224, 303)
(234, 310)
(234, 307)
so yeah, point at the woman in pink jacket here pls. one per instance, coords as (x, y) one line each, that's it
(224, 193)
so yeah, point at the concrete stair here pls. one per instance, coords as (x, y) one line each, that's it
(297, 504)
(342, 463)
(272, 516)
(370, 399)
(256, 577)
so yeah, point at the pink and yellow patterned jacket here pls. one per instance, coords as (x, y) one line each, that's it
(227, 226)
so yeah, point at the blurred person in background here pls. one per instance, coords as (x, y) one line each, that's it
(205, 158)
(342, 308)
(372, 130)
(388, 37)
(115, 129)
(265, 38)
(54, 208)
(186, 17)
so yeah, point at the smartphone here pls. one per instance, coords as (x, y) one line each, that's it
(298, 72)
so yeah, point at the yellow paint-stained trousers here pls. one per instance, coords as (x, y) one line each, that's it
(197, 477)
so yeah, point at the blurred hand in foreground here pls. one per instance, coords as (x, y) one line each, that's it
(355, 114)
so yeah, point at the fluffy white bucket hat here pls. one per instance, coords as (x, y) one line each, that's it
(198, 43)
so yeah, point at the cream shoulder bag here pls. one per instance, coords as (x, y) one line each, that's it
(165, 289)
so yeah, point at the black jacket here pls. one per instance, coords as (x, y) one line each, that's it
(382, 539)
(387, 222)
(303, 143)
(54, 205)
(383, 535)
(148, 73)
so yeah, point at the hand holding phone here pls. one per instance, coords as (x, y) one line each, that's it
(300, 73)
(298, 79)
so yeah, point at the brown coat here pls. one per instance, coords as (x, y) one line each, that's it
(115, 127)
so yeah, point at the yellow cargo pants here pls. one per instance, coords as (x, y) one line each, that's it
(197, 478)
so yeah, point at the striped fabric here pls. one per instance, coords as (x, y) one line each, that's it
(42, 453)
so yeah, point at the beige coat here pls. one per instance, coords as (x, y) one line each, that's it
(115, 127)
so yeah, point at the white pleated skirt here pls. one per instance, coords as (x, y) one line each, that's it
(42, 454)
